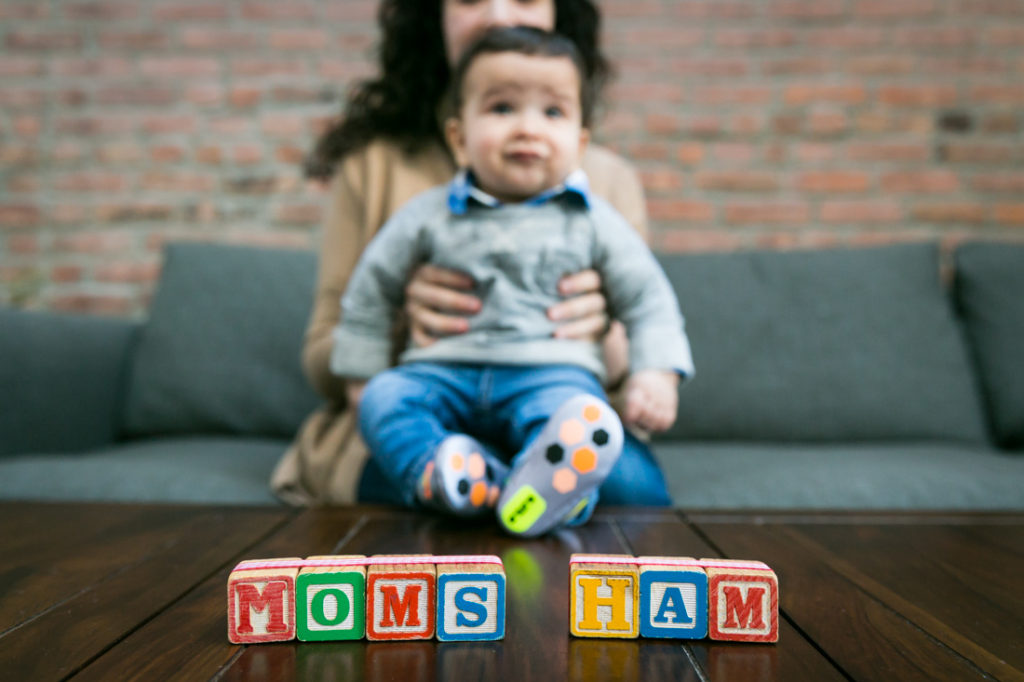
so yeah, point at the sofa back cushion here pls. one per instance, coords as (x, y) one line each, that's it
(62, 379)
(220, 352)
(831, 345)
(990, 294)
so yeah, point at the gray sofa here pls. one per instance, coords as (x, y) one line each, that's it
(826, 379)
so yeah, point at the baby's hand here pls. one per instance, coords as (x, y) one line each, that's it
(651, 399)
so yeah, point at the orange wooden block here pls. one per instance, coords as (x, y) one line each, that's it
(261, 600)
(604, 596)
(743, 601)
(401, 597)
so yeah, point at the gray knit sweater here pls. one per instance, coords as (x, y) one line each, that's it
(516, 254)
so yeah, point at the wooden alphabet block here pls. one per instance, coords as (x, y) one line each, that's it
(401, 597)
(261, 601)
(330, 601)
(673, 598)
(743, 601)
(604, 596)
(470, 598)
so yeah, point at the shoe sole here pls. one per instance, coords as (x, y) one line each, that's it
(466, 477)
(571, 457)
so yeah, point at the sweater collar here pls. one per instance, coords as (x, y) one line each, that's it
(463, 189)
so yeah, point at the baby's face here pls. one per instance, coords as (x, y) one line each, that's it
(520, 128)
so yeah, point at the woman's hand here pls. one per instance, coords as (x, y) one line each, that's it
(582, 315)
(354, 392)
(437, 303)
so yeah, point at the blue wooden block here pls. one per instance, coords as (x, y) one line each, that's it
(470, 598)
(673, 598)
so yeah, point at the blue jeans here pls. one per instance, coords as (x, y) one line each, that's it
(408, 410)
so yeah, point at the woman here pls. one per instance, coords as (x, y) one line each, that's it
(389, 148)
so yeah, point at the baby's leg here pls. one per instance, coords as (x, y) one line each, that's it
(410, 418)
(572, 440)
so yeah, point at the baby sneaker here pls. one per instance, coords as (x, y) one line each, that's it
(554, 480)
(462, 479)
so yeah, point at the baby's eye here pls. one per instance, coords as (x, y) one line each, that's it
(500, 108)
(554, 112)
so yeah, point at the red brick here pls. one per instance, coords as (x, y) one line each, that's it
(219, 39)
(23, 244)
(881, 64)
(890, 9)
(177, 181)
(139, 95)
(263, 67)
(116, 153)
(920, 182)
(15, 66)
(288, 10)
(662, 124)
(134, 39)
(670, 37)
(887, 237)
(351, 11)
(247, 154)
(1007, 122)
(1009, 182)
(94, 242)
(977, 152)
(681, 241)
(935, 37)
(11, 10)
(679, 209)
(662, 179)
(950, 213)
(66, 273)
(1002, 8)
(803, 66)
(43, 41)
(889, 151)
(808, 93)
(833, 182)
(13, 99)
(918, 95)
(176, 10)
(756, 38)
(298, 39)
(737, 181)
(104, 67)
(132, 212)
(102, 304)
(734, 94)
(92, 181)
(690, 153)
(796, 239)
(205, 94)
(179, 67)
(734, 152)
(710, 9)
(105, 11)
(847, 38)
(169, 123)
(210, 155)
(290, 154)
(19, 215)
(1009, 214)
(128, 272)
(767, 213)
(1005, 36)
(826, 123)
(998, 94)
(861, 212)
(283, 124)
(807, 9)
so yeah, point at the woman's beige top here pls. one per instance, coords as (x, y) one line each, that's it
(325, 462)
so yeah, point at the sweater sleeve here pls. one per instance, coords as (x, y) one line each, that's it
(362, 340)
(640, 295)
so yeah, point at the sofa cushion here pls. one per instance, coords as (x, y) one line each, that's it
(990, 295)
(220, 351)
(209, 470)
(933, 476)
(833, 345)
(62, 378)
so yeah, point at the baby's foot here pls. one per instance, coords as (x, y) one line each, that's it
(554, 480)
(462, 479)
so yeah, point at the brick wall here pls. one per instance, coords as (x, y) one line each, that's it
(755, 123)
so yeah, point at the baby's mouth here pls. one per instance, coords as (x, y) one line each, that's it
(523, 157)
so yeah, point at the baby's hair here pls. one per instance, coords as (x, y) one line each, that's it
(526, 40)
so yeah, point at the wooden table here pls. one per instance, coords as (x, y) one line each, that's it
(109, 592)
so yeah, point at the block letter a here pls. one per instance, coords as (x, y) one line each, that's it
(405, 607)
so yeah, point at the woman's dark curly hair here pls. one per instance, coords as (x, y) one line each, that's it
(402, 103)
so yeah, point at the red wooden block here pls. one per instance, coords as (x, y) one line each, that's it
(261, 600)
(743, 601)
(401, 597)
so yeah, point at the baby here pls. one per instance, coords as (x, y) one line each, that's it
(507, 416)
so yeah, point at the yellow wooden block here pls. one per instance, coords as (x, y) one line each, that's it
(604, 595)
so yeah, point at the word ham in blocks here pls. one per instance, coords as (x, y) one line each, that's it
(604, 596)
(470, 598)
(261, 601)
(743, 601)
(673, 598)
(330, 598)
(401, 597)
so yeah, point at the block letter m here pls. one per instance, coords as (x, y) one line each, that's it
(405, 609)
(740, 613)
(250, 599)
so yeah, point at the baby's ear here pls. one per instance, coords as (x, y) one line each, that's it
(584, 139)
(453, 134)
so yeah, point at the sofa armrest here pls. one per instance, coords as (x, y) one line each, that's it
(63, 379)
